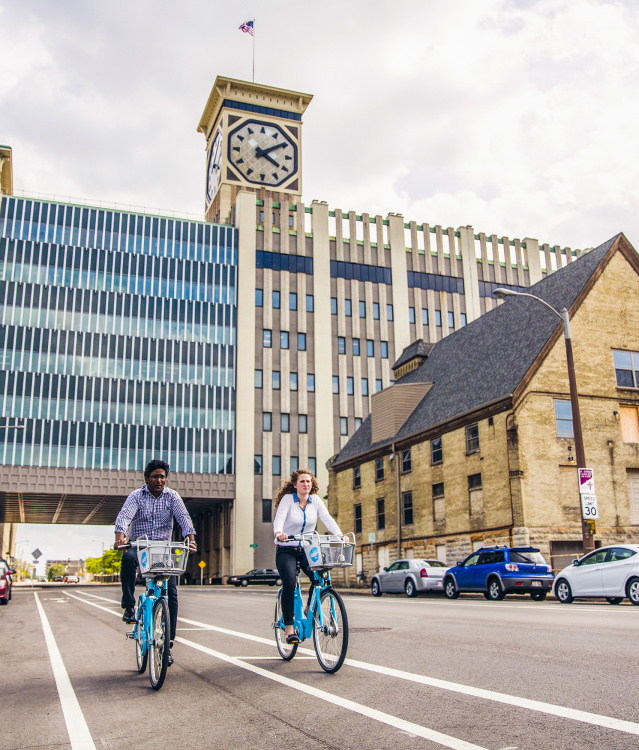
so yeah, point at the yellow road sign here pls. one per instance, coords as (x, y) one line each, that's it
(202, 564)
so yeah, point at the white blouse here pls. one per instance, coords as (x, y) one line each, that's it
(291, 520)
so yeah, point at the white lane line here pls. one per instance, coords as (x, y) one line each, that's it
(502, 605)
(406, 726)
(79, 735)
(608, 722)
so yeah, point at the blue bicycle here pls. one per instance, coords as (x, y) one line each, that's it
(325, 618)
(158, 562)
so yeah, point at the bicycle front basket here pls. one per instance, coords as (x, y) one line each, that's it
(162, 558)
(329, 553)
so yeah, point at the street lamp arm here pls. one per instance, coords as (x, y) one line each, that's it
(563, 315)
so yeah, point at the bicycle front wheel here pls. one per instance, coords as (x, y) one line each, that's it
(287, 650)
(159, 645)
(141, 647)
(330, 635)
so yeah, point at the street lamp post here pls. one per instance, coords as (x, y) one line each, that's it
(588, 541)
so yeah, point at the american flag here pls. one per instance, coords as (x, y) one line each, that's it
(247, 27)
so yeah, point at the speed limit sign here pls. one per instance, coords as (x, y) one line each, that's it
(589, 507)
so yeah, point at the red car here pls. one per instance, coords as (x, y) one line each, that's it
(5, 582)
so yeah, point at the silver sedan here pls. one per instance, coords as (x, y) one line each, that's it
(411, 577)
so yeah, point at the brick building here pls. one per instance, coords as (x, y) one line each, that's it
(474, 443)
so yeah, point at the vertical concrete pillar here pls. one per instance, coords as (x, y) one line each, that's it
(533, 261)
(243, 514)
(399, 269)
(469, 268)
(322, 343)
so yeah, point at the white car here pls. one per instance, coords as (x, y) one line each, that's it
(609, 572)
(410, 577)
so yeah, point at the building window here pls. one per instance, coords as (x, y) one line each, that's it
(362, 309)
(389, 312)
(341, 345)
(335, 383)
(370, 348)
(364, 386)
(407, 505)
(424, 316)
(277, 466)
(357, 477)
(257, 464)
(283, 339)
(312, 465)
(310, 303)
(626, 368)
(333, 305)
(475, 495)
(381, 513)
(267, 338)
(285, 422)
(436, 451)
(259, 379)
(563, 419)
(356, 347)
(358, 423)
(357, 512)
(259, 298)
(310, 382)
(411, 314)
(290, 220)
(302, 423)
(375, 310)
(378, 385)
(350, 387)
(438, 318)
(462, 320)
(439, 507)
(451, 320)
(295, 463)
(406, 462)
(343, 425)
(276, 300)
(301, 342)
(383, 348)
(348, 308)
(293, 379)
(629, 416)
(266, 511)
(276, 380)
(267, 421)
(472, 438)
(379, 469)
(292, 301)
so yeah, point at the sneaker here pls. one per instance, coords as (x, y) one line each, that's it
(292, 638)
(170, 658)
(129, 615)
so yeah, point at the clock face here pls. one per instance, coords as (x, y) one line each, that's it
(214, 171)
(262, 152)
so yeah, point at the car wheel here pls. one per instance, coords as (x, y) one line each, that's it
(632, 590)
(410, 589)
(244, 582)
(375, 589)
(486, 595)
(5, 600)
(614, 599)
(538, 596)
(450, 589)
(495, 591)
(563, 592)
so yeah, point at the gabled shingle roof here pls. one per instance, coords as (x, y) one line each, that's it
(487, 359)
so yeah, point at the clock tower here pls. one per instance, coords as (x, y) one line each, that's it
(253, 142)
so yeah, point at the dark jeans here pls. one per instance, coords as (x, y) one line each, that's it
(127, 577)
(286, 559)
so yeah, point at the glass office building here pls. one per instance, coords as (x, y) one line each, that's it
(117, 338)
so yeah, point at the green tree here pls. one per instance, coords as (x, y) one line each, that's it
(55, 570)
(94, 565)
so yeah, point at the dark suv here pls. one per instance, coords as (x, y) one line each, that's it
(497, 571)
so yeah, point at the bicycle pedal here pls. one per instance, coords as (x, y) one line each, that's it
(129, 635)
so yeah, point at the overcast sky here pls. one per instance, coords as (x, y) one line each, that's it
(519, 118)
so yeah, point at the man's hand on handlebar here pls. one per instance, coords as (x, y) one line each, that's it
(120, 540)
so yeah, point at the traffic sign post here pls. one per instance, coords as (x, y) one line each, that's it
(589, 507)
(202, 565)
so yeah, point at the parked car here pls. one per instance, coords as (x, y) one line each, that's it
(410, 577)
(71, 579)
(259, 575)
(57, 579)
(610, 572)
(497, 571)
(6, 581)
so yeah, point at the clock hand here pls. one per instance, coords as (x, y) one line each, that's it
(270, 158)
(263, 151)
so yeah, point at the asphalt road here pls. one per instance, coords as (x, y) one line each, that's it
(422, 673)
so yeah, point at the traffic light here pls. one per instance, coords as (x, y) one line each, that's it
(592, 526)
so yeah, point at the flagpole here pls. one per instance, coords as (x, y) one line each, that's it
(253, 50)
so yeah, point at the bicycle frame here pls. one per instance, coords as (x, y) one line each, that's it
(304, 625)
(155, 588)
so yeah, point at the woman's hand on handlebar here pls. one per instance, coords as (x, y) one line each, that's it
(281, 536)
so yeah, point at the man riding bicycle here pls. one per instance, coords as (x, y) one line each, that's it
(148, 513)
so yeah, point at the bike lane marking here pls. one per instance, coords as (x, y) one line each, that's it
(77, 728)
(600, 720)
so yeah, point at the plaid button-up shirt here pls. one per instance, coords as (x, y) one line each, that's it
(144, 515)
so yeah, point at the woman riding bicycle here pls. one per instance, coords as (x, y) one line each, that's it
(298, 508)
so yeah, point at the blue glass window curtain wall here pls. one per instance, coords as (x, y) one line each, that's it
(117, 341)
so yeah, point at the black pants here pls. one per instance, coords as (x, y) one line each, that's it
(286, 559)
(127, 577)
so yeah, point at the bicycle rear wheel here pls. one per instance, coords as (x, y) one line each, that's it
(159, 644)
(331, 637)
(141, 648)
(287, 650)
